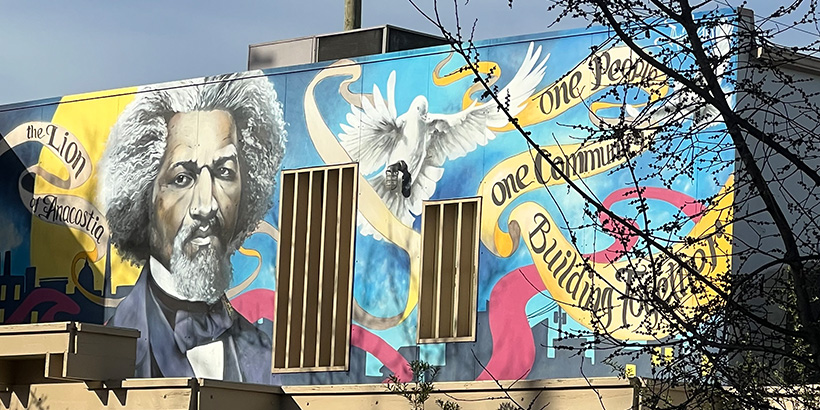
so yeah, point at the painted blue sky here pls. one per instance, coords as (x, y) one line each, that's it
(51, 48)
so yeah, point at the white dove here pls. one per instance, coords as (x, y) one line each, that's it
(410, 149)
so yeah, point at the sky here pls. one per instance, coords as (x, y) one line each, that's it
(50, 48)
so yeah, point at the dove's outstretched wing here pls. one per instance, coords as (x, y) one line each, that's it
(522, 86)
(454, 135)
(372, 131)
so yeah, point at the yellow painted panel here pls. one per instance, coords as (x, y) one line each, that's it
(55, 248)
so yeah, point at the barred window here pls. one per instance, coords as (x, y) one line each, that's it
(317, 219)
(449, 262)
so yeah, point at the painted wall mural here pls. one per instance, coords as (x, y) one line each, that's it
(156, 208)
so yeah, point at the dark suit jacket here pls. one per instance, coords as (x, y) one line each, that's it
(246, 347)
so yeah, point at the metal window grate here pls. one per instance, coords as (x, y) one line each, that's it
(317, 222)
(449, 262)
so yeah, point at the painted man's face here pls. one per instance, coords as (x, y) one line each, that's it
(197, 191)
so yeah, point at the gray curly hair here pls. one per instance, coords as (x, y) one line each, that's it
(137, 141)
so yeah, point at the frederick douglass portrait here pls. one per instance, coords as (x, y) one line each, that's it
(186, 176)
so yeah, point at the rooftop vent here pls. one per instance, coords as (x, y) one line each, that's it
(346, 44)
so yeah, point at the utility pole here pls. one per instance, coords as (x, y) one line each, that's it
(353, 14)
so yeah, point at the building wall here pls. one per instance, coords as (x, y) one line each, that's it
(782, 108)
(67, 258)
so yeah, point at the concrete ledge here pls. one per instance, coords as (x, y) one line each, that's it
(82, 366)
(558, 393)
(160, 393)
(204, 394)
(65, 351)
(67, 327)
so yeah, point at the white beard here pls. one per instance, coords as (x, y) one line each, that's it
(205, 277)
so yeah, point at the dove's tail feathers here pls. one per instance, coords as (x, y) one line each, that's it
(393, 199)
(424, 186)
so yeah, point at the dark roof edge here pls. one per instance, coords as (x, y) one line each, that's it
(787, 57)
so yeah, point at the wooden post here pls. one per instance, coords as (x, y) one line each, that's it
(353, 14)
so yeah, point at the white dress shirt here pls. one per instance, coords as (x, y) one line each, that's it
(208, 360)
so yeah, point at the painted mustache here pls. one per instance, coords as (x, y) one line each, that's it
(202, 233)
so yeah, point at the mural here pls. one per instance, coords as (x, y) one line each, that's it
(187, 174)
(155, 208)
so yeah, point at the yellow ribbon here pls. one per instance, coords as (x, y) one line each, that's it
(371, 206)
